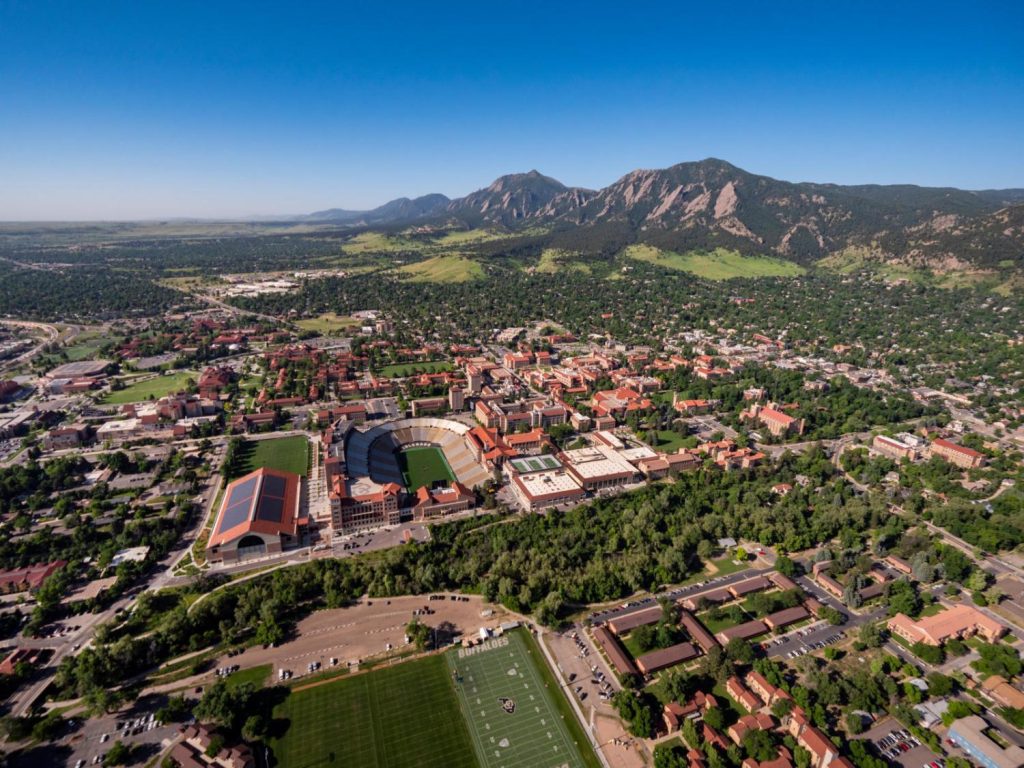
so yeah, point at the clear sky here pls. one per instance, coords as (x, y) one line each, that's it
(122, 110)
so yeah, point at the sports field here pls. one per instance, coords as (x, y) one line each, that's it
(424, 466)
(406, 716)
(510, 705)
(287, 454)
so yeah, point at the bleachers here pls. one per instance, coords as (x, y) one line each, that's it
(372, 453)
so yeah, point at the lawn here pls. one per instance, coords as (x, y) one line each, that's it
(518, 715)
(424, 466)
(399, 370)
(327, 323)
(153, 388)
(255, 675)
(726, 565)
(405, 716)
(719, 264)
(450, 268)
(670, 442)
(287, 454)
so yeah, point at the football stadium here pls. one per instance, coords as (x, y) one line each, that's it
(409, 469)
(414, 452)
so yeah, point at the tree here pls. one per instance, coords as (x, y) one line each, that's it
(785, 566)
(418, 634)
(871, 635)
(255, 728)
(118, 754)
(759, 745)
(740, 651)
(833, 616)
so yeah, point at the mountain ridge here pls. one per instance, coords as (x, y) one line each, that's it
(711, 203)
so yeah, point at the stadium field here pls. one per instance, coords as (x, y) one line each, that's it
(511, 708)
(406, 716)
(424, 466)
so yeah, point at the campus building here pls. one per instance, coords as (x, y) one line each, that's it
(957, 622)
(542, 481)
(598, 467)
(961, 456)
(775, 421)
(259, 515)
(968, 733)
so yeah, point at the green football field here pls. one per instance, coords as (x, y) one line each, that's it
(511, 708)
(424, 466)
(406, 716)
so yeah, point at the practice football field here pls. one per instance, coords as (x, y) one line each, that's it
(405, 716)
(424, 466)
(512, 715)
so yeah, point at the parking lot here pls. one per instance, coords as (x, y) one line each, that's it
(802, 641)
(893, 743)
(85, 743)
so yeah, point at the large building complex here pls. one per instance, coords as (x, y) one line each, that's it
(367, 485)
(260, 515)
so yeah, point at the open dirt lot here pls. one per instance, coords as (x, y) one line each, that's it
(358, 632)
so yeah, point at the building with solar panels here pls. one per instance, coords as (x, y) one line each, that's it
(259, 516)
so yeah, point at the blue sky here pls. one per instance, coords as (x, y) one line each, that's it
(155, 109)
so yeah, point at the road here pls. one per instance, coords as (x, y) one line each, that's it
(51, 332)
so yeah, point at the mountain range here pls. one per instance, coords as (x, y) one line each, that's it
(711, 203)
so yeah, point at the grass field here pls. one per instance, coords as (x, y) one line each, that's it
(719, 264)
(377, 242)
(408, 369)
(466, 237)
(255, 675)
(288, 454)
(406, 716)
(670, 442)
(536, 730)
(424, 466)
(327, 323)
(554, 260)
(449, 268)
(151, 388)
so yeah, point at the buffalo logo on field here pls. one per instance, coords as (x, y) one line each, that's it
(507, 704)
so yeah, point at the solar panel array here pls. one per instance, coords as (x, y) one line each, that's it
(269, 506)
(238, 504)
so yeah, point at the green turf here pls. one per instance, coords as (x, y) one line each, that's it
(154, 388)
(255, 675)
(406, 716)
(287, 454)
(670, 442)
(424, 466)
(409, 369)
(719, 264)
(541, 731)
